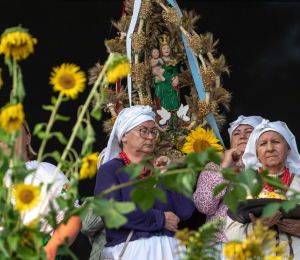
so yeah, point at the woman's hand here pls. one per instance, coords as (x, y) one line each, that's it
(291, 226)
(160, 164)
(228, 161)
(175, 81)
(267, 222)
(171, 221)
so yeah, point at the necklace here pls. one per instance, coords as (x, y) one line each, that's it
(285, 180)
(127, 161)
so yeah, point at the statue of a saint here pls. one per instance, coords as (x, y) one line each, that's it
(167, 92)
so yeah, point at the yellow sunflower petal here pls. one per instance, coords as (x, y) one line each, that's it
(68, 79)
(12, 117)
(27, 197)
(89, 166)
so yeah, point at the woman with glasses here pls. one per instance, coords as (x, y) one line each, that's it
(150, 233)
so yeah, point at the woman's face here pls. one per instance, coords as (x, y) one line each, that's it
(240, 137)
(272, 149)
(165, 50)
(135, 143)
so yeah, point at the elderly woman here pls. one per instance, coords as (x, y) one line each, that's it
(214, 207)
(153, 230)
(272, 147)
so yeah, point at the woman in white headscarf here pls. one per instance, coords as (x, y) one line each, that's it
(272, 147)
(150, 233)
(214, 207)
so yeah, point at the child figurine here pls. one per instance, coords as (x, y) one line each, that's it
(156, 64)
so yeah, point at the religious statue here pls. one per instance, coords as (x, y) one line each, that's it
(167, 91)
(156, 64)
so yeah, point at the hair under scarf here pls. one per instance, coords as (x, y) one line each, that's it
(250, 156)
(244, 120)
(126, 120)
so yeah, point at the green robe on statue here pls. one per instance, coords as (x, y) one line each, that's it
(167, 96)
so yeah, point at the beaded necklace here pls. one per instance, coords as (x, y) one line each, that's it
(127, 161)
(285, 179)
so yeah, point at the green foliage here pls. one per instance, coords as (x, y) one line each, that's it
(251, 179)
(62, 118)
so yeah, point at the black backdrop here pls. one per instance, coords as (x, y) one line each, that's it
(261, 41)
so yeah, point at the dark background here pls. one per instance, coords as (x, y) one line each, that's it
(261, 42)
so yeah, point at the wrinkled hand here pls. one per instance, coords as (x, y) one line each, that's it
(228, 160)
(267, 222)
(175, 81)
(171, 221)
(51, 252)
(162, 167)
(291, 226)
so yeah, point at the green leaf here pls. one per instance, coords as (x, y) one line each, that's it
(53, 100)
(96, 112)
(47, 107)
(213, 156)
(56, 155)
(270, 209)
(4, 165)
(62, 118)
(289, 204)
(38, 128)
(62, 202)
(187, 182)
(231, 201)
(114, 219)
(64, 99)
(43, 135)
(26, 253)
(143, 198)
(240, 192)
(87, 146)
(13, 242)
(60, 137)
(264, 173)
(160, 194)
(275, 183)
(196, 159)
(4, 137)
(9, 64)
(3, 250)
(102, 204)
(219, 188)
(124, 207)
(252, 179)
(20, 86)
(81, 133)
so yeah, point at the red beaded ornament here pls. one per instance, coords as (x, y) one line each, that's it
(285, 180)
(127, 161)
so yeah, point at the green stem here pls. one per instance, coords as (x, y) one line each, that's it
(12, 100)
(75, 129)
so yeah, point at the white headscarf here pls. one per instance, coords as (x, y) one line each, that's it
(126, 120)
(100, 157)
(250, 157)
(244, 120)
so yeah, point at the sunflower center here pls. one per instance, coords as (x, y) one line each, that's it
(201, 146)
(67, 81)
(26, 196)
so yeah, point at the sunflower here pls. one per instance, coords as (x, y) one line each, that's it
(12, 117)
(119, 71)
(27, 237)
(17, 42)
(199, 140)
(27, 197)
(68, 80)
(89, 166)
(1, 81)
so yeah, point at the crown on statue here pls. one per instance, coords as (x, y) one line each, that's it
(164, 39)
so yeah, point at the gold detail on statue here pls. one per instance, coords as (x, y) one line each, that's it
(172, 63)
(185, 21)
(164, 39)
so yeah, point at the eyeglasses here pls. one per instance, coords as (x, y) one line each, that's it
(144, 133)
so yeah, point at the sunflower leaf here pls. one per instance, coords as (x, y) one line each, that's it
(43, 135)
(27, 253)
(81, 133)
(62, 118)
(160, 194)
(124, 207)
(270, 209)
(231, 201)
(9, 64)
(61, 202)
(60, 137)
(96, 112)
(47, 107)
(56, 155)
(53, 100)
(219, 188)
(38, 128)
(20, 86)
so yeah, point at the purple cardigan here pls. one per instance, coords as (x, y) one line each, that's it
(146, 224)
